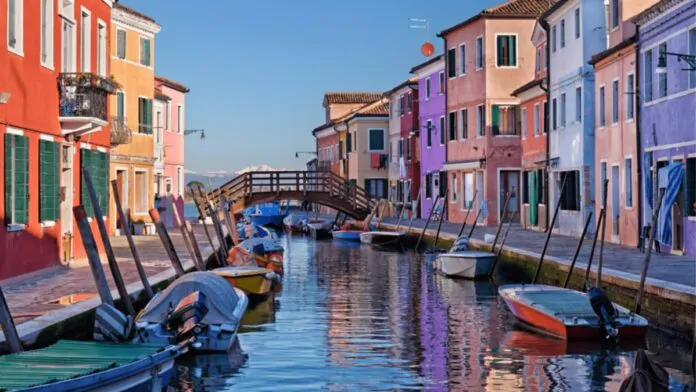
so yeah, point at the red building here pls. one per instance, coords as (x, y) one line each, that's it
(54, 83)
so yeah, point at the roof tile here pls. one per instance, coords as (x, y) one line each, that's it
(350, 97)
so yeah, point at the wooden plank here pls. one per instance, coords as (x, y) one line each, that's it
(8, 326)
(92, 251)
(110, 256)
(167, 242)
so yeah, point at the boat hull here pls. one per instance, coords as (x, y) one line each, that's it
(267, 220)
(581, 326)
(469, 265)
(257, 283)
(347, 235)
(382, 238)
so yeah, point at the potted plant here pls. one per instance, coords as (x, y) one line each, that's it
(139, 227)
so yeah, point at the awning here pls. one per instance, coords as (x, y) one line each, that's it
(464, 165)
(669, 178)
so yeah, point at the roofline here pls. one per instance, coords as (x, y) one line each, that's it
(608, 52)
(172, 84)
(433, 60)
(482, 15)
(659, 7)
(408, 83)
(527, 86)
(555, 7)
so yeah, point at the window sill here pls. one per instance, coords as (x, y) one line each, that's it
(479, 69)
(630, 120)
(462, 74)
(691, 218)
(48, 223)
(15, 227)
(48, 66)
(18, 52)
(628, 208)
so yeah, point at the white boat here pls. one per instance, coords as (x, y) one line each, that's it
(319, 228)
(465, 264)
(382, 238)
(201, 306)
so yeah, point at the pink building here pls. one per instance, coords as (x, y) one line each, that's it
(172, 185)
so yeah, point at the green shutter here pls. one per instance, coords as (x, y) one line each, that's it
(495, 119)
(49, 180)
(86, 162)
(149, 116)
(8, 178)
(103, 184)
(121, 44)
(512, 47)
(21, 179)
(120, 105)
(501, 50)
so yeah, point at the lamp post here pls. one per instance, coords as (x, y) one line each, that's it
(192, 131)
(297, 153)
(662, 61)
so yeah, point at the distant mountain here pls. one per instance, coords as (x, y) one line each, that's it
(217, 178)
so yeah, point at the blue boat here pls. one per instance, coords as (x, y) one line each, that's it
(347, 235)
(266, 214)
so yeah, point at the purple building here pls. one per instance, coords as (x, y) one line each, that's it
(666, 34)
(431, 122)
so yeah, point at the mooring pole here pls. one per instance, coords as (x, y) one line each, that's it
(600, 219)
(577, 250)
(110, 256)
(442, 217)
(468, 211)
(430, 216)
(473, 227)
(90, 245)
(194, 242)
(413, 215)
(188, 241)
(500, 250)
(648, 252)
(8, 326)
(131, 243)
(215, 215)
(604, 228)
(225, 209)
(205, 226)
(234, 234)
(550, 230)
(502, 215)
(167, 242)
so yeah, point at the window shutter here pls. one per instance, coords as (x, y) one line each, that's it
(49, 180)
(501, 50)
(512, 49)
(147, 52)
(149, 116)
(21, 179)
(43, 180)
(86, 162)
(120, 105)
(121, 44)
(495, 119)
(8, 177)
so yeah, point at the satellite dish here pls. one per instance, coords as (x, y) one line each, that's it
(427, 49)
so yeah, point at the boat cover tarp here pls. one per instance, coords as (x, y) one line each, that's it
(222, 299)
(66, 360)
(268, 244)
(670, 179)
(295, 219)
(647, 376)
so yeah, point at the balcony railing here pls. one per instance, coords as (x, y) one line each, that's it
(84, 95)
(120, 133)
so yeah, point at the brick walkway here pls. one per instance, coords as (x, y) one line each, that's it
(667, 267)
(39, 295)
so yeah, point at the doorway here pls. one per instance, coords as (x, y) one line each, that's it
(533, 192)
(678, 218)
(66, 201)
(122, 186)
(509, 184)
(480, 203)
(615, 202)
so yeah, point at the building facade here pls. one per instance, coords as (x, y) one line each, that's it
(616, 131)
(132, 164)
(53, 118)
(667, 137)
(534, 138)
(431, 127)
(486, 60)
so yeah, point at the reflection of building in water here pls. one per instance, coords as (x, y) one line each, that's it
(433, 335)
(503, 375)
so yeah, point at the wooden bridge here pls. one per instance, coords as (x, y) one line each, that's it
(321, 187)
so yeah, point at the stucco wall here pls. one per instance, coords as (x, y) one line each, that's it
(360, 158)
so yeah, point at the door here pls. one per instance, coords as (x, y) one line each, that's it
(533, 198)
(678, 218)
(615, 201)
(508, 185)
(479, 197)
(122, 185)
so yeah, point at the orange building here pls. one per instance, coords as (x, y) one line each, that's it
(54, 87)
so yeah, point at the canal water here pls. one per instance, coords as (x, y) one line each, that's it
(353, 318)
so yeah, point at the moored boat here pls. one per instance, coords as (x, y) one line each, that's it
(570, 314)
(267, 252)
(253, 280)
(346, 235)
(382, 238)
(267, 214)
(465, 264)
(294, 223)
(319, 228)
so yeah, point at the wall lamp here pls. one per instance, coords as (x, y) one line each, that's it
(662, 61)
(297, 153)
(192, 131)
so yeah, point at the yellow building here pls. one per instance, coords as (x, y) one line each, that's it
(133, 150)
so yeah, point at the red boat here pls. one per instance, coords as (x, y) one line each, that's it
(568, 314)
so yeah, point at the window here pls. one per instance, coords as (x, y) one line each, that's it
(401, 148)
(563, 33)
(602, 107)
(662, 77)
(376, 187)
(441, 183)
(468, 190)
(167, 116)
(453, 193)
(536, 119)
(442, 130)
(145, 52)
(400, 106)
(68, 60)
(524, 123)
(628, 182)
(145, 116)
(648, 66)
(15, 26)
(101, 49)
(452, 126)
(141, 196)
(349, 142)
(376, 139)
(506, 50)
(462, 59)
(121, 44)
(538, 60)
(615, 102)
(554, 108)
(480, 120)
(578, 104)
(97, 163)
(544, 120)
(479, 53)
(692, 51)
(614, 14)
(563, 110)
(525, 186)
(504, 120)
(429, 131)
(630, 97)
(451, 66)
(690, 186)
(570, 198)
(464, 114)
(85, 42)
(46, 33)
(16, 179)
(180, 180)
(553, 38)
(577, 23)
(409, 102)
(427, 89)
(49, 181)
(179, 119)
(428, 186)
(120, 105)
(441, 86)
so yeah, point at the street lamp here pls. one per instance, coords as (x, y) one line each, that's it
(662, 61)
(192, 131)
(297, 153)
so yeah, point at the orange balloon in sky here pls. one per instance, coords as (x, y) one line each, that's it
(427, 49)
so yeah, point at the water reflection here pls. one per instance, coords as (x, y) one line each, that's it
(354, 318)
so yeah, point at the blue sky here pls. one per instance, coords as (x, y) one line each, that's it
(258, 69)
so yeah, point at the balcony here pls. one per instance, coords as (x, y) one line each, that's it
(506, 120)
(83, 102)
(120, 133)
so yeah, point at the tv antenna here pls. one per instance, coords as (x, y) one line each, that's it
(427, 49)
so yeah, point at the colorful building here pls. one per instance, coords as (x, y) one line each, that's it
(431, 120)
(534, 141)
(667, 138)
(486, 59)
(172, 134)
(616, 131)
(576, 30)
(53, 119)
(404, 154)
(132, 163)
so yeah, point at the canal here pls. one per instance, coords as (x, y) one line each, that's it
(353, 318)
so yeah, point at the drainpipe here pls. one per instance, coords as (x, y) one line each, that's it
(446, 54)
(639, 154)
(547, 115)
(606, 21)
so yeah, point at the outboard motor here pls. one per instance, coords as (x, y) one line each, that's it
(112, 325)
(187, 316)
(604, 309)
(460, 245)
